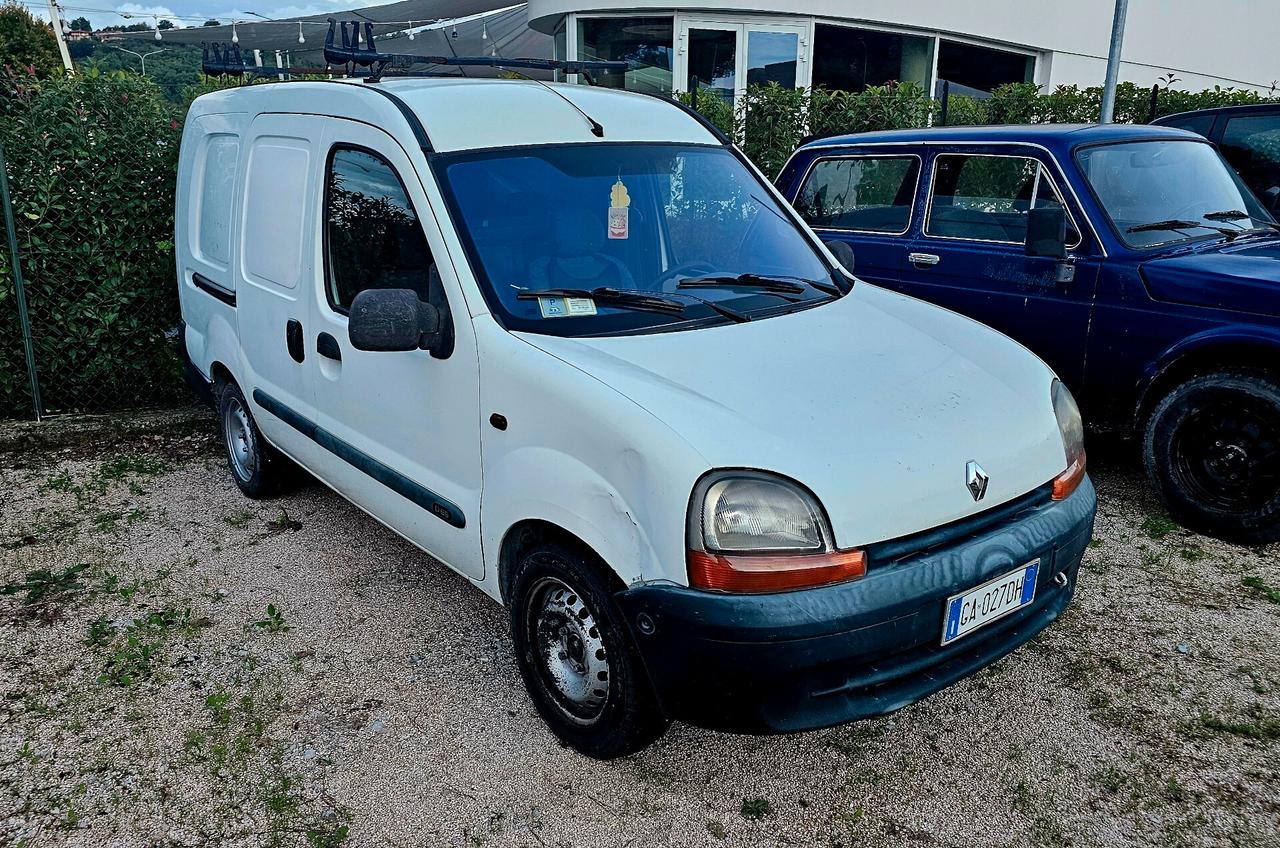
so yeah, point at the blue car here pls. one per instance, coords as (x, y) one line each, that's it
(1130, 258)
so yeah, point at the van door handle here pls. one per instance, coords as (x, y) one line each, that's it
(327, 346)
(925, 259)
(293, 340)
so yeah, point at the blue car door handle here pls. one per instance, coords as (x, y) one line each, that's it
(927, 259)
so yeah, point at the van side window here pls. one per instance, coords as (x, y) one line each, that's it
(217, 188)
(986, 198)
(868, 193)
(372, 235)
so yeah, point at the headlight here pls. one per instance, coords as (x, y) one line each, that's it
(1071, 427)
(755, 532)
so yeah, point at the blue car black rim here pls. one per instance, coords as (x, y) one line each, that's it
(1228, 453)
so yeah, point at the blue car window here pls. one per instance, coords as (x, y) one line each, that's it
(864, 193)
(983, 197)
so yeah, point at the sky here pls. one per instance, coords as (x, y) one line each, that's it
(191, 12)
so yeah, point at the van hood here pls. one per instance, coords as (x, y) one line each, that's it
(1239, 278)
(876, 402)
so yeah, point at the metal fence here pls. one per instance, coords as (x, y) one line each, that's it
(88, 306)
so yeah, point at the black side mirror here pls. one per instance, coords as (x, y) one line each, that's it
(392, 319)
(1047, 232)
(841, 251)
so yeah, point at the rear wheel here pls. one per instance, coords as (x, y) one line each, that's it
(576, 657)
(255, 466)
(1212, 449)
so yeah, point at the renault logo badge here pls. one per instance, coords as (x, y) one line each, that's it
(976, 480)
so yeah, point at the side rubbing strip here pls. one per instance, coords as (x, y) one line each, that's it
(441, 508)
(209, 287)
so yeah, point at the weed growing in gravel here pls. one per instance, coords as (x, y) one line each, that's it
(1257, 587)
(121, 467)
(238, 519)
(1158, 526)
(756, 808)
(274, 622)
(716, 829)
(1257, 724)
(144, 638)
(43, 584)
(1192, 553)
(283, 523)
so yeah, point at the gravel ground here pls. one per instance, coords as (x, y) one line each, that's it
(194, 668)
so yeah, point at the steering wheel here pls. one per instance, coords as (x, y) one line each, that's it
(688, 269)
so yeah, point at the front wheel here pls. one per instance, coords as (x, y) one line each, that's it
(1212, 449)
(576, 657)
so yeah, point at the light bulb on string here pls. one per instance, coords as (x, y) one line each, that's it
(66, 27)
(158, 36)
(484, 30)
(455, 31)
(235, 36)
(411, 30)
(302, 39)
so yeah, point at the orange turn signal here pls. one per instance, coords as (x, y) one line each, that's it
(1068, 481)
(773, 572)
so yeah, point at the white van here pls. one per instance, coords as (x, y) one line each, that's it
(570, 342)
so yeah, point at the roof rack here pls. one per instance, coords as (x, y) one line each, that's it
(352, 53)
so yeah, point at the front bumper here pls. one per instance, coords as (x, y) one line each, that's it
(814, 658)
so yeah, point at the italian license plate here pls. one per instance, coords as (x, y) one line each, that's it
(992, 600)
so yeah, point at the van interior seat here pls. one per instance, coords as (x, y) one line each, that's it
(579, 242)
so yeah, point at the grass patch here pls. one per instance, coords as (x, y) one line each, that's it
(239, 519)
(1156, 527)
(44, 585)
(756, 808)
(1255, 724)
(1259, 589)
(274, 622)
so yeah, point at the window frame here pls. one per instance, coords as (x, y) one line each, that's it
(333, 151)
(1044, 168)
(911, 210)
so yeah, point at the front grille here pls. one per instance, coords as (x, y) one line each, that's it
(927, 541)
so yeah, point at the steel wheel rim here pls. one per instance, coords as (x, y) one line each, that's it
(569, 655)
(242, 448)
(1229, 454)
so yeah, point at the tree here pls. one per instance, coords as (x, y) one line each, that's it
(138, 27)
(81, 24)
(165, 23)
(26, 42)
(212, 22)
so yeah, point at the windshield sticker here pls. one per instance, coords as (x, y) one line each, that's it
(563, 307)
(619, 201)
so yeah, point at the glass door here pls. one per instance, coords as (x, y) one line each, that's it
(725, 55)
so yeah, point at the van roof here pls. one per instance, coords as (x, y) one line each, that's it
(468, 114)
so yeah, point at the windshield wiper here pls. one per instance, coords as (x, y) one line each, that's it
(778, 284)
(1176, 224)
(630, 299)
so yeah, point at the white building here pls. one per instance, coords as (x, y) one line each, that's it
(975, 45)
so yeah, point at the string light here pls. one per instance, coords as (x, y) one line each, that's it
(158, 36)
(411, 30)
(484, 30)
(302, 39)
(235, 36)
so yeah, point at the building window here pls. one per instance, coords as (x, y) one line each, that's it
(849, 59)
(981, 69)
(644, 42)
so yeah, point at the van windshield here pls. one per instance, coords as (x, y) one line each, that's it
(664, 229)
(1159, 192)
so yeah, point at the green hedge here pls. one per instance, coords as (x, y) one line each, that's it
(91, 161)
(770, 121)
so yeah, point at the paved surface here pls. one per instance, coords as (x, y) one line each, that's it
(150, 697)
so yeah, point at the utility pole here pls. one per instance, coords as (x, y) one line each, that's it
(1113, 62)
(56, 20)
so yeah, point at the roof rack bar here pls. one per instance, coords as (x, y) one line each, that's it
(353, 53)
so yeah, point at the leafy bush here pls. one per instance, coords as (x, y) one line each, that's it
(92, 162)
(26, 44)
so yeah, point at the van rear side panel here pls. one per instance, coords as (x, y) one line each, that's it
(204, 236)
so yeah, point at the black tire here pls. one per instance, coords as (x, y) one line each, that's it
(563, 615)
(1212, 449)
(258, 469)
